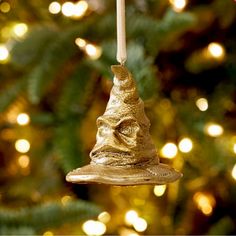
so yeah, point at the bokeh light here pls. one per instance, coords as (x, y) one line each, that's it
(205, 202)
(185, 145)
(80, 42)
(169, 150)
(80, 9)
(48, 233)
(202, 104)
(104, 217)
(24, 161)
(216, 50)
(94, 52)
(6, 32)
(130, 217)
(5, 7)
(4, 53)
(92, 227)
(65, 199)
(140, 224)
(20, 29)
(234, 172)
(67, 9)
(159, 190)
(54, 7)
(213, 129)
(23, 119)
(178, 5)
(22, 145)
(234, 148)
(127, 232)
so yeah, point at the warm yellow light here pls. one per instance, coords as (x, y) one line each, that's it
(205, 202)
(80, 9)
(94, 52)
(48, 233)
(202, 104)
(169, 150)
(23, 161)
(23, 119)
(130, 217)
(65, 199)
(207, 210)
(4, 53)
(132, 234)
(159, 190)
(185, 145)
(54, 7)
(178, 5)
(20, 29)
(127, 232)
(234, 172)
(5, 7)
(67, 9)
(92, 227)
(216, 50)
(234, 148)
(104, 217)
(6, 32)
(22, 145)
(140, 224)
(213, 129)
(80, 42)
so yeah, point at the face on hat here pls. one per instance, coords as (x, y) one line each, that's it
(121, 141)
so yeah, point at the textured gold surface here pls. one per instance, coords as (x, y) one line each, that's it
(124, 153)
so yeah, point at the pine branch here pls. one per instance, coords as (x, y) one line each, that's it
(67, 145)
(47, 215)
(43, 118)
(27, 52)
(75, 92)
(11, 93)
(16, 230)
(155, 34)
(58, 52)
(71, 108)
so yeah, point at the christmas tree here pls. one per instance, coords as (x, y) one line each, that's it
(55, 60)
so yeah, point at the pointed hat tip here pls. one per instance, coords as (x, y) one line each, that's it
(121, 72)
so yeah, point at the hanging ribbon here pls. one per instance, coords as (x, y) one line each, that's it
(121, 55)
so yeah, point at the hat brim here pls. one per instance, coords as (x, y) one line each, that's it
(124, 176)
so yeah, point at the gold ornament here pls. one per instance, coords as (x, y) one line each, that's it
(124, 153)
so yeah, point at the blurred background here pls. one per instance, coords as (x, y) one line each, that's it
(55, 80)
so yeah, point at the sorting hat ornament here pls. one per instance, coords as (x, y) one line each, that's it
(124, 153)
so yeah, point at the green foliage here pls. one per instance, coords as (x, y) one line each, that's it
(9, 94)
(68, 145)
(157, 34)
(223, 227)
(49, 215)
(143, 71)
(16, 231)
(43, 118)
(71, 109)
(75, 92)
(28, 51)
(60, 50)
